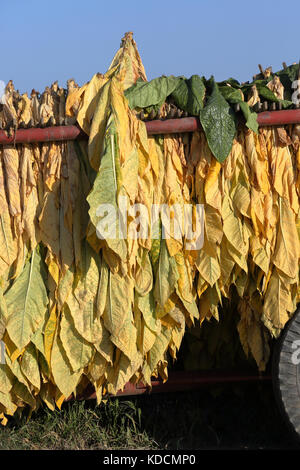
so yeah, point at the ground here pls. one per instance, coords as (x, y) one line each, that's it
(242, 416)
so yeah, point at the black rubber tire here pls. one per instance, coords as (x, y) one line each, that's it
(286, 373)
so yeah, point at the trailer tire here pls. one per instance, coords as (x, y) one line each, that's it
(286, 373)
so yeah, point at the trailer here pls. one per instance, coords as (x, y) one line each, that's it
(83, 312)
(286, 355)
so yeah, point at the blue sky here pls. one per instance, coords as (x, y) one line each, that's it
(44, 41)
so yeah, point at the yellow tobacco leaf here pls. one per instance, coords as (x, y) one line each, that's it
(73, 99)
(8, 243)
(89, 101)
(21, 387)
(118, 315)
(82, 300)
(30, 366)
(11, 348)
(212, 175)
(49, 333)
(208, 267)
(59, 399)
(105, 347)
(145, 337)
(122, 370)
(241, 198)
(184, 281)
(213, 225)
(98, 126)
(257, 162)
(167, 276)
(47, 394)
(65, 379)
(11, 171)
(127, 62)
(232, 226)
(98, 367)
(78, 351)
(157, 353)
(143, 273)
(4, 420)
(277, 304)
(208, 304)
(252, 336)
(287, 251)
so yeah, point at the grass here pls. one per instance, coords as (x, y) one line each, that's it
(79, 426)
(232, 416)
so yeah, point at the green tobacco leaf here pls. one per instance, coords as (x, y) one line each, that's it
(154, 108)
(287, 77)
(268, 95)
(218, 122)
(231, 81)
(143, 94)
(189, 95)
(196, 95)
(250, 116)
(181, 94)
(230, 94)
(265, 92)
(234, 96)
(27, 302)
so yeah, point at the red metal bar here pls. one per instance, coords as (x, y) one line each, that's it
(191, 124)
(168, 126)
(171, 126)
(279, 118)
(183, 380)
(47, 134)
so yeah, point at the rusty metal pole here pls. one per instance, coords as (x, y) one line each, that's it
(279, 118)
(47, 134)
(168, 126)
(183, 381)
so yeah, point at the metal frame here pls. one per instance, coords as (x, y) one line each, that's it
(167, 126)
(180, 381)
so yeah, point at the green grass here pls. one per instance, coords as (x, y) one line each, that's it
(79, 425)
(232, 416)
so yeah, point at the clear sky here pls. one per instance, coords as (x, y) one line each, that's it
(44, 41)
